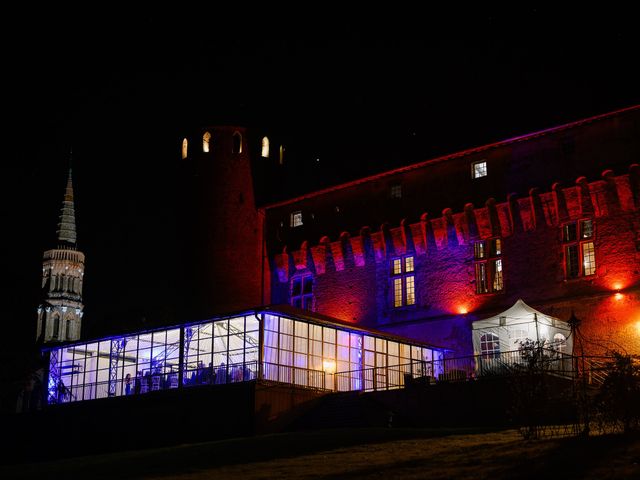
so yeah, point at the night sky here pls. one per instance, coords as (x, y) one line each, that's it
(362, 91)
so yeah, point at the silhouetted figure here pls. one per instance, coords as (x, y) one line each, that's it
(221, 374)
(138, 383)
(61, 391)
(127, 384)
(201, 372)
(208, 375)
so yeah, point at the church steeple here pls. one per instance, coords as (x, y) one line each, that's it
(67, 224)
(60, 313)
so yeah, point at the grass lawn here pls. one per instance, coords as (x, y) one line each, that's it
(360, 453)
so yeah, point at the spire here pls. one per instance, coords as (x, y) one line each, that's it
(67, 225)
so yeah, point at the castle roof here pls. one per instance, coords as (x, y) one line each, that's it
(463, 153)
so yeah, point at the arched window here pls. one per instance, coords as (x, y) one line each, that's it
(205, 142)
(281, 159)
(237, 143)
(185, 144)
(489, 345)
(560, 343)
(67, 330)
(56, 326)
(265, 147)
(302, 291)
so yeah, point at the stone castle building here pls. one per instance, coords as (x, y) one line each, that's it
(391, 285)
(422, 251)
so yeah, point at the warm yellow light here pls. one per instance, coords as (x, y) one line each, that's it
(185, 144)
(463, 310)
(638, 327)
(617, 286)
(329, 366)
(618, 296)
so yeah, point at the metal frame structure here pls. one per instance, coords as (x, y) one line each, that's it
(234, 347)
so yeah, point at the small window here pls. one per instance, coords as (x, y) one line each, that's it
(403, 281)
(488, 265)
(302, 292)
(479, 169)
(265, 147)
(579, 249)
(490, 346)
(237, 143)
(296, 219)
(281, 156)
(56, 326)
(396, 191)
(205, 142)
(185, 144)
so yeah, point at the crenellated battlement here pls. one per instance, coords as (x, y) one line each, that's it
(611, 195)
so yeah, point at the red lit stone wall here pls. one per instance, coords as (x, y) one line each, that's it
(563, 154)
(220, 227)
(353, 283)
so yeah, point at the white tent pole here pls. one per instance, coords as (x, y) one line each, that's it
(535, 318)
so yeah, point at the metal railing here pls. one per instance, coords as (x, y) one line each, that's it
(368, 379)
(459, 369)
(150, 382)
(301, 377)
(220, 374)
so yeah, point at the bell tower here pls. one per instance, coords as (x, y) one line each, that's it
(60, 313)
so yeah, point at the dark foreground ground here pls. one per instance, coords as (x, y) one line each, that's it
(360, 453)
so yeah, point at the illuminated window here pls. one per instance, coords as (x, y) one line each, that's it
(265, 147)
(281, 156)
(479, 169)
(579, 249)
(184, 148)
(396, 191)
(237, 143)
(488, 264)
(205, 142)
(296, 219)
(302, 292)
(489, 346)
(403, 281)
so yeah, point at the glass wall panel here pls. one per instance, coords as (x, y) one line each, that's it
(252, 324)
(301, 329)
(227, 350)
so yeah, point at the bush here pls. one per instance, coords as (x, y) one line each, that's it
(617, 404)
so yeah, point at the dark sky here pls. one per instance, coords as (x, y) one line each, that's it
(362, 90)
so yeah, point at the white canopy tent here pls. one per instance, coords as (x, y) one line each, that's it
(505, 331)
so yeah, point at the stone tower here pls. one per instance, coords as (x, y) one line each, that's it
(221, 230)
(60, 314)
